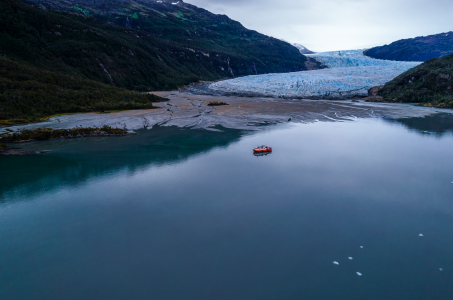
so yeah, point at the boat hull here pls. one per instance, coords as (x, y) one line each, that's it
(261, 151)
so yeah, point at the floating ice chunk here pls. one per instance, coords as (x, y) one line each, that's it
(420, 234)
(350, 258)
(361, 247)
(440, 269)
(358, 273)
(336, 262)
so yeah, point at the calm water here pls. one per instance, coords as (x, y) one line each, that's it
(192, 214)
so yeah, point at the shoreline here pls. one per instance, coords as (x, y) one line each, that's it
(188, 110)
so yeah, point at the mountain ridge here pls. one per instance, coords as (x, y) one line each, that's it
(422, 48)
(132, 45)
(302, 49)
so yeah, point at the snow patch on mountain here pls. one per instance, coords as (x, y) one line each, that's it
(302, 49)
(349, 74)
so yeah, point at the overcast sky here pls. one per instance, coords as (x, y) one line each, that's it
(323, 25)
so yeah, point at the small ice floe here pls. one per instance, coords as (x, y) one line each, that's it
(336, 262)
(420, 234)
(350, 258)
(361, 247)
(358, 273)
(440, 269)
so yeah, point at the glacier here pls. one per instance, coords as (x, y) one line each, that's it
(348, 74)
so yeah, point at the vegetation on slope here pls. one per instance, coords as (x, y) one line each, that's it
(138, 45)
(416, 49)
(430, 84)
(81, 56)
(28, 94)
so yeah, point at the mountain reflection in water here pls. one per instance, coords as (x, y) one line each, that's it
(76, 160)
(436, 124)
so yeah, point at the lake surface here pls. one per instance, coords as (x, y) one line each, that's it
(192, 214)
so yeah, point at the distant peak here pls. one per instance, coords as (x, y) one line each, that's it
(302, 49)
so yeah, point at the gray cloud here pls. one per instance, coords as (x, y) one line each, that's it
(342, 24)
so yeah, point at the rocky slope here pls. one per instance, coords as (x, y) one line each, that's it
(416, 49)
(430, 84)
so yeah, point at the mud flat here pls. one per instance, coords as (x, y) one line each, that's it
(249, 113)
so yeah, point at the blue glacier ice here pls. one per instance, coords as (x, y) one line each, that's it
(354, 58)
(348, 74)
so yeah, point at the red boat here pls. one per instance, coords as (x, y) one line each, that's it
(262, 149)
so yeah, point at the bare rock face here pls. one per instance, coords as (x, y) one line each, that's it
(442, 77)
(313, 64)
(374, 91)
(373, 94)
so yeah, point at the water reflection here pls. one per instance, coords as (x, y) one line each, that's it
(262, 154)
(225, 225)
(436, 124)
(75, 161)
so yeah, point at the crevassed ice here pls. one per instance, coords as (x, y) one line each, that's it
(354, 58)
(349, 74)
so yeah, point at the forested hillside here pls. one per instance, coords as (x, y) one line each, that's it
(28, 94)
(430, 84)
(152, 51)
(80, 56)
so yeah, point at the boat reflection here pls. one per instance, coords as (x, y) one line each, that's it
(262, 154)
